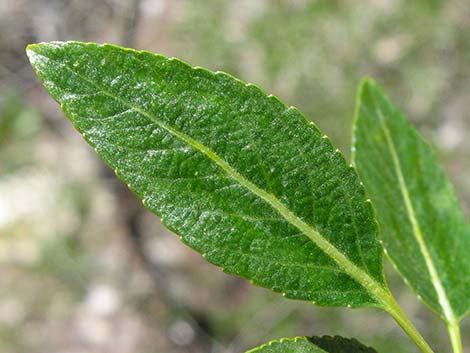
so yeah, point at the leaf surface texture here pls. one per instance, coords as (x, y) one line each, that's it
(242, 178)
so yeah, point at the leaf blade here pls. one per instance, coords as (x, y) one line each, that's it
(288, 345)
(181, 136)
(325, 344)
(427, 231)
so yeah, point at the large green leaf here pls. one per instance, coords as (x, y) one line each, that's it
(325, 344)
(242, 178)
(423, 228)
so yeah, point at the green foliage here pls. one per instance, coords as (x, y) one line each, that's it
(242, 178)
(259, 191)
(286, 345)
(339, 344)
(423, 228)
(325, 344)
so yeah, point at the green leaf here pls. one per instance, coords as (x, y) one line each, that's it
(325, 344)
(338, 344)
(242, 178)
(288, 345)
(423, 228)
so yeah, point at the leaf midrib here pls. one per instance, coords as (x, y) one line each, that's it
(379, 292)
(449, 315)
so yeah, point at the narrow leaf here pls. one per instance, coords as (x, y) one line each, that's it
(242, 178)
(325, 344)
(423, 228)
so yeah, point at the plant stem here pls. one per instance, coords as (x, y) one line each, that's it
(394, 309)
(455, 339)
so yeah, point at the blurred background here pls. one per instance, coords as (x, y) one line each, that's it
(84, 268)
